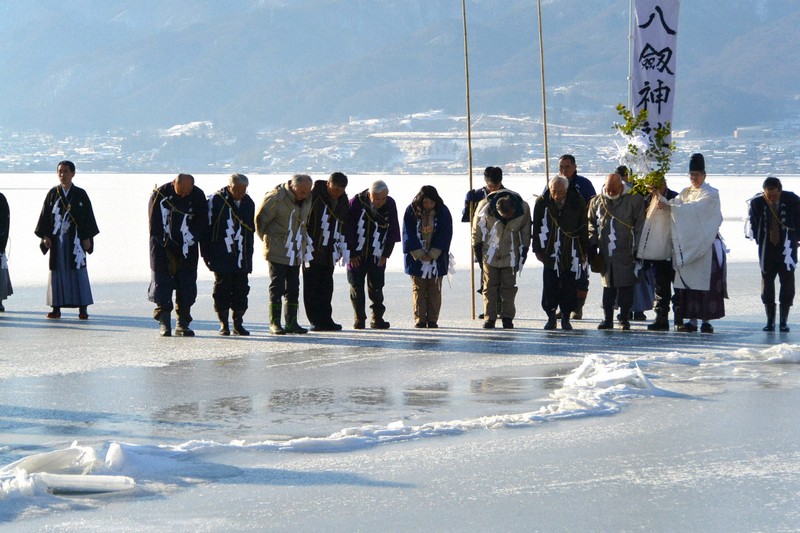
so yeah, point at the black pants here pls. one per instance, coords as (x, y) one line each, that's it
(618, 295)
(559, 291)
(663, 287)
(375, 278)
(284, 280)
(775, 266)
(230, 292)
(183, 283)
(318, 293)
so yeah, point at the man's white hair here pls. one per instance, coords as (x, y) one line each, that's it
(558, 179)
(378, 187)
(299, 179)
(238, 179)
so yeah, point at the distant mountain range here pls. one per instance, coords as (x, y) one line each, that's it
(246, 65)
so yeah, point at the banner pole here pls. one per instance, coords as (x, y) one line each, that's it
(630, 56)
(544, 100)
(469, 156)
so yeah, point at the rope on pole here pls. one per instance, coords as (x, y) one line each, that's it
(469, 152)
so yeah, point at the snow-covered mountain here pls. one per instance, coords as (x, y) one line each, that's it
(89, 66)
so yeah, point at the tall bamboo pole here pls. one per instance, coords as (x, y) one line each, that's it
(544, 99)
(469, 152)
(630, 55)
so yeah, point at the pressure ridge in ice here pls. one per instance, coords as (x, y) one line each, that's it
(601, 385)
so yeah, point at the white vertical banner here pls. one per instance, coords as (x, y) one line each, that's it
(654, 44)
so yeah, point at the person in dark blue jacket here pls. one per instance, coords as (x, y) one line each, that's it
(178, 214)
(228, 251)
(774, 216)
(372, 230)
(569, 169)
(427, 232)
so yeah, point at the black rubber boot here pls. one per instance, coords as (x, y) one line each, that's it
(608, 321)
(661, 323)
(551, 321)
(275, 320)
(784, 326)
(770, 309)
(291, 320)
(165, 322)
(238, 327)
(624, 320)
(182, 327)
(678, 316)
(224, 330)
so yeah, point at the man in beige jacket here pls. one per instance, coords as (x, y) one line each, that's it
(281, 226)
(501, 236)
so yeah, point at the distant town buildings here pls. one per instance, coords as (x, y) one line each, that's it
(414, 144)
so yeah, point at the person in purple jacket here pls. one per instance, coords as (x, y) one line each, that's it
(372, 231)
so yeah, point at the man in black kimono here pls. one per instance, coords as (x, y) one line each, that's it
(228, 251)
(774, 216)
(66, 229)
(326, 228)
(178, 220)
(372, 231)
(560, 241)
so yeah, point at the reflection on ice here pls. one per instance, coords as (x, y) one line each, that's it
(423, 396)
(601, 385)
(369, 395)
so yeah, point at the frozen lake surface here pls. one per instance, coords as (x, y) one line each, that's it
(455, 429)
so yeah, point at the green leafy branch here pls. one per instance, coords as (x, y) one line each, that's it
(647, 155)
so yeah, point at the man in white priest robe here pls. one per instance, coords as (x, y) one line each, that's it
(698, 252)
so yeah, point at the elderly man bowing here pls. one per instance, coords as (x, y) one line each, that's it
(178, 221)
(228, 251)
(281, 225)
(560, 242)
(372, 231)
(615, 225)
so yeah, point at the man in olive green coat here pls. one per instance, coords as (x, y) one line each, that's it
(281, 226)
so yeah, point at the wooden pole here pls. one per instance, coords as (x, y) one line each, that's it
(544, 99)
(630, 55)
(469, 152)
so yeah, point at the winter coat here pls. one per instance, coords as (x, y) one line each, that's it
(177, 225)
(229, 246)
(502, 243)
(371, 233)
(560, 235)
(762, 216)
(583, 186)
(281, 226)
(326, 226)
(439, 249)
(615, 226)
